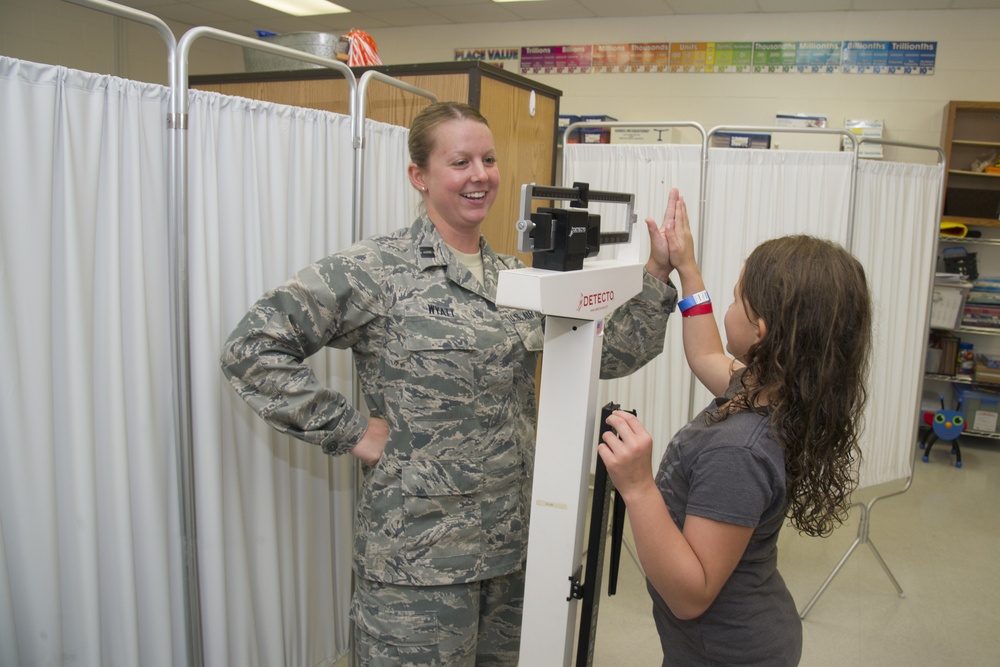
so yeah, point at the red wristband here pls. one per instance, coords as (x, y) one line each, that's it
(701, 309)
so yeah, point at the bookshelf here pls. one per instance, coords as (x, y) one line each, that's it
(970, 132)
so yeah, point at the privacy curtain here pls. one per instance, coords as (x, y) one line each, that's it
(90, 548)
(895, 232)
(269, 192)
(755, 195)
(659, 392)
(389, 201)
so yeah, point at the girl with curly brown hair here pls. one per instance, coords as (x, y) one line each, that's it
(781, 440)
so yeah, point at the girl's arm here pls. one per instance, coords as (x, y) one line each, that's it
(702, 343)
(687, 569)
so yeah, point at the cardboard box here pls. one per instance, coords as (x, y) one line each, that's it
(947, 304)
(599, 118)
(642, 135)
(986, 374)
(741, 140)
(591, 135)
(865, 129)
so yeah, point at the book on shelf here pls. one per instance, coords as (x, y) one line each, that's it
(974, 315)
(945, 360)
(984, 292)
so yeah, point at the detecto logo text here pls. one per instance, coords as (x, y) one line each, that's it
(596, 299)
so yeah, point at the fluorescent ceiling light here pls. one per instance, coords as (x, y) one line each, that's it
(303, 7)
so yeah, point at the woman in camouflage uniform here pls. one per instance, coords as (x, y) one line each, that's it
(449, 382)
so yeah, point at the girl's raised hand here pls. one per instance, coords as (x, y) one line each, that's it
(659, 263)
(679, 238)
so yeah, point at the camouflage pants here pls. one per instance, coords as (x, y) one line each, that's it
(464, 625)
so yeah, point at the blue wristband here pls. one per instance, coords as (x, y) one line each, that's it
(694, 300)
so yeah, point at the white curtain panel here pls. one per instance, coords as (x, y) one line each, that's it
(90, 546)
(269, 191)
(659, 392)
(755, 195)
(389, 201)
(895, 231)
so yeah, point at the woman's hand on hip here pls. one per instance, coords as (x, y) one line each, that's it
(370, 447)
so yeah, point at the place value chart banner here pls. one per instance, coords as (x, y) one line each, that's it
(816, 57)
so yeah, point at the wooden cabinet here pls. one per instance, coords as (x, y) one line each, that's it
(523, 116)
(971, 133)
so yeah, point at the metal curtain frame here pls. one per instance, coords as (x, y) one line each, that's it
(180, 356)
(177, 77)
(771, 130)
(702, 200)
(701, 194)
(655, 124)
(864, 524)
(800, 130)
(357, 229)
(359, 137)
(179, 255)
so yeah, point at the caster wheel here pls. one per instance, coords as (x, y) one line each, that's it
(921, 445)
(958, 464)
(926, 459)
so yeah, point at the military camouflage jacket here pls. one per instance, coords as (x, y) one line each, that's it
(452, 373)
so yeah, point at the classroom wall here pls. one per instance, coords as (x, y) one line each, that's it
(968, 61)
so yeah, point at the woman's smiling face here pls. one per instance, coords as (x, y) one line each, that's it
(461, 180)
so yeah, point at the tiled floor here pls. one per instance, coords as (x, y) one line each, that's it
(940, 540)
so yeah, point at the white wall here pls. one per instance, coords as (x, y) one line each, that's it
(59, 33)
(968, 65)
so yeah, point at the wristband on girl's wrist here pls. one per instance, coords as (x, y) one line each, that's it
(696, 304)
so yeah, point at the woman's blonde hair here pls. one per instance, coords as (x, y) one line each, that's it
(421, 141)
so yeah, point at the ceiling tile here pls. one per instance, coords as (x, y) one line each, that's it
(799, 6)
(550, 9)
(883, 5)
(239, 9)
(376, 5)
(373, 14)
(714, 6)
(477, 12)
(192, 15)
(410, 17)
(433, 4)
(345, 22)
(975, 4)
(612, 8)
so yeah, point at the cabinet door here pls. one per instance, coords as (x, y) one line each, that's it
(525, 143)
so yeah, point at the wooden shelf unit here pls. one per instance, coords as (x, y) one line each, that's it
(969, 130)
